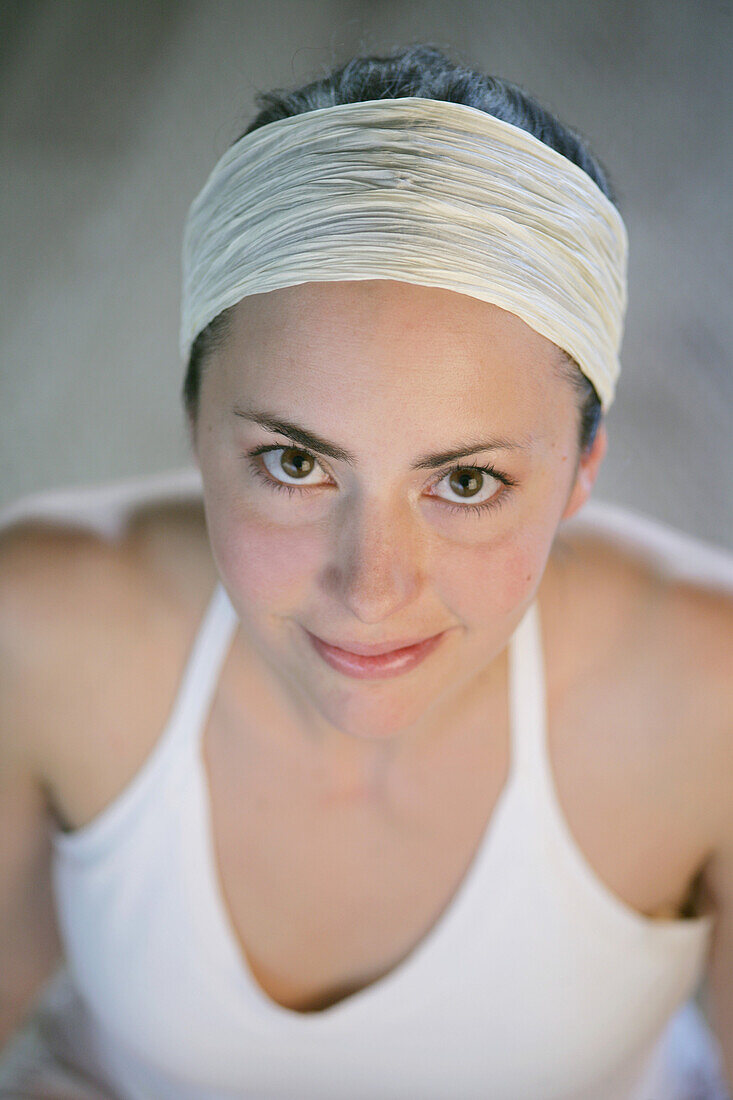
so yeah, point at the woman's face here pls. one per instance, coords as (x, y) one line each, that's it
(384, 543)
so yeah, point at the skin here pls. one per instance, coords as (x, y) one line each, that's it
(374, 552)
(349, 790)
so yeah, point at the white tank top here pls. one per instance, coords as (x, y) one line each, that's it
(536, 983)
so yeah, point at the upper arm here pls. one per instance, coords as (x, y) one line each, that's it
(29, 944)
(692, 636)
(718, 878)
(29, 940)
(719, 978)
(703, 619)
(41, 573)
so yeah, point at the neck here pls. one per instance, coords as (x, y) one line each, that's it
(354, 762)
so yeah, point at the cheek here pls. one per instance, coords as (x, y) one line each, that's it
(264, 564)
(484, 584)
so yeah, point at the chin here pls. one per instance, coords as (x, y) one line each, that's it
(373, 720)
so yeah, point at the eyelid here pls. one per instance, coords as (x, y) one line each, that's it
(284, 447)
(486, 468)
(448, 469)
(496, 500)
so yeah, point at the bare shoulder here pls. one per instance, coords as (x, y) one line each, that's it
(49, 578)
(86, 623)
(169, 543)
(54, 577)
(650, 623)
(676, 590)
(597, 600)
(48, 575)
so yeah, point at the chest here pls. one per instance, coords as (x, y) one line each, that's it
(325, 898)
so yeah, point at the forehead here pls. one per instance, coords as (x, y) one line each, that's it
(365, 308)
(381, 343)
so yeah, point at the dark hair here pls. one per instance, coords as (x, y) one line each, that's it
(421, 70)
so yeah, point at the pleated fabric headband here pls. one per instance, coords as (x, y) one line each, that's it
(421, 191)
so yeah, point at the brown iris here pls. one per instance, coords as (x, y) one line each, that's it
(296, 463)
(465, 482)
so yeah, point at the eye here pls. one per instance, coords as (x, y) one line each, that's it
(479, 486)
(293, 463)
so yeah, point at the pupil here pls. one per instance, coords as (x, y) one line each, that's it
(467, 483)
(296, 460)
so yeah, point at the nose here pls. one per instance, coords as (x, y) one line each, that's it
(376, 567)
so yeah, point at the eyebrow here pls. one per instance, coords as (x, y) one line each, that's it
(314, 442)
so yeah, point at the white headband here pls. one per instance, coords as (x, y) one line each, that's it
(422, 191)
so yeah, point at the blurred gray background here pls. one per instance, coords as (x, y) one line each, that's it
(114, 114)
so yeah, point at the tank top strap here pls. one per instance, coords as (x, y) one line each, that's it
(186, 718)
(204, 665)
(527, 697)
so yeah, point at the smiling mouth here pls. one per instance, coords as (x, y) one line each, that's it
(361, 666)
(374, 650)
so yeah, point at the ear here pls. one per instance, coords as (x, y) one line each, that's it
(587, 472)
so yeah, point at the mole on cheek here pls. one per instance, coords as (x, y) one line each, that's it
(516, 576)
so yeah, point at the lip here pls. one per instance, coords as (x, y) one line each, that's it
(377, 666)
(374, 650)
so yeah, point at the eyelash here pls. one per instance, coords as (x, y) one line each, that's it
(488, 505)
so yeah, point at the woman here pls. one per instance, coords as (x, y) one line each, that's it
(441, 805)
